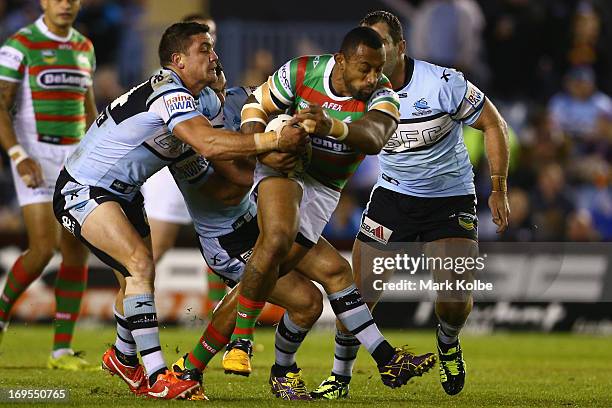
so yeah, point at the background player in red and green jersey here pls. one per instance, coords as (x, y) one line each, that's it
(46, 76)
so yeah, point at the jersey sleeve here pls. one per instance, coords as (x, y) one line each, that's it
(175, 107)
(462, 99)
(385, 100)
(210, 106)
(13, 60)
(283, 83)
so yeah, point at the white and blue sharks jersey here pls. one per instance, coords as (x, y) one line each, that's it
(132, 138)
(234, 101)
(211, 218)
(426, 157)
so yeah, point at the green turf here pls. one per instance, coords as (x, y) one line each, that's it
(519, 370)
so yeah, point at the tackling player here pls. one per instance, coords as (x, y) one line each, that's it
(97, 194)
(358, 113)
(46, 73)
(425, 190)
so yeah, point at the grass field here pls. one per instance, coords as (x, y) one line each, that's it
(517, 370)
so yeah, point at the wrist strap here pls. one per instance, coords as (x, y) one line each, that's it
(339, 130)
(17, 154)
(498, 184)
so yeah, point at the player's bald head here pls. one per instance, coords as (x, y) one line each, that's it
(360, 36)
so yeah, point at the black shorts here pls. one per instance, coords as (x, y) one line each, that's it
(396, 217)
(73, 202)
(228, 254)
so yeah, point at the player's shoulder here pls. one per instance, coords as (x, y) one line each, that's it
(23, 38)
(313, 65)
(166, 81)
(437, 75)
(82, 40)
(209, 103)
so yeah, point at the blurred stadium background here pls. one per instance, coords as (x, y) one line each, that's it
(545, 63)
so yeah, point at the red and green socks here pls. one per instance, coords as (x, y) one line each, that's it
(69, 289)
(17, 282)
(210, 344)
(246, 318)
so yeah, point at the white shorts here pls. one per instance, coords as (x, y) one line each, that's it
(317, 205)
(51, 158)
(163, 199)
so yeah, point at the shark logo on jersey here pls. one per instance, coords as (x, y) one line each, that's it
(422, 108)
(179, 103)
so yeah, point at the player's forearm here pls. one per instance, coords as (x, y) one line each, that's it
(91, 111)
(370, 136)
(496, 145)
(8, 138)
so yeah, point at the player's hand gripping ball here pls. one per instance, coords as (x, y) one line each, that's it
(304, 158)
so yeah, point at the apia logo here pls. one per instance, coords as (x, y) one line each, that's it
(422, 108)
(180, 102)
(63, 78)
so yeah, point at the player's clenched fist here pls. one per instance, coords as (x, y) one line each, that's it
(315, 120)
(292, 138)
(30, 172)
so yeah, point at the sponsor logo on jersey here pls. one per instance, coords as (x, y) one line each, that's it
(10, 57)
(178, 103)
(315, 61)
(422, 108)
(191, 168)
(332, 106)
(49, 56)
(245, 256)
(330, 144)
(473, 96)
(466, 221)
(63, 78)
(375, 230)
(83, 61)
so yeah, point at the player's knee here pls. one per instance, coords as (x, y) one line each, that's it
(43, 248)
(277, 244)
(306, 312)
(337, 275)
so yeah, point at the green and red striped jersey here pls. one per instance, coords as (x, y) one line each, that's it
(54, 74)
(306, 80)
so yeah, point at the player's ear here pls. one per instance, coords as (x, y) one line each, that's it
(340, 60)
(401, 47)
(177, 59)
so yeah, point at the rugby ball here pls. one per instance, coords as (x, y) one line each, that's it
(304, 160)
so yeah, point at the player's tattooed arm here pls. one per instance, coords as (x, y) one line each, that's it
(8, 91)
(91, 111)
(495, 130)
(29, 170)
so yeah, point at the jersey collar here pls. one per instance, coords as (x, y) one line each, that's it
(40, 24)
(327, 82)
(408, 72)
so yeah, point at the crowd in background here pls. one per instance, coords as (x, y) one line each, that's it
(545, 63)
